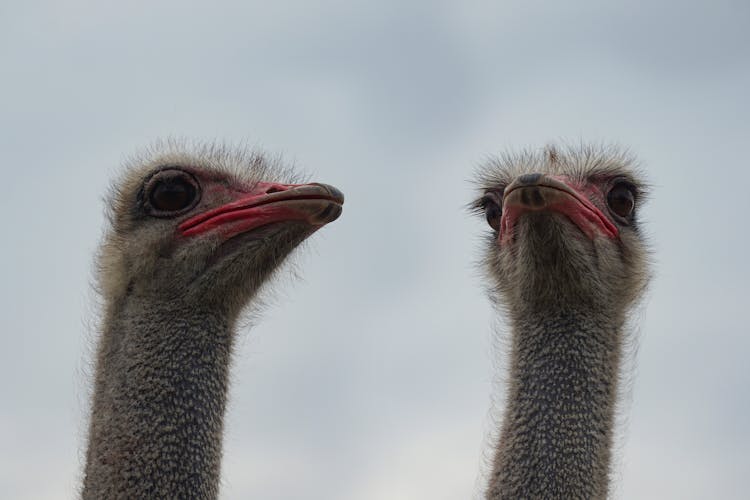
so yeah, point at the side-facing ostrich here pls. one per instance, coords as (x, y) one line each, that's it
(567, 262)
(194, 234)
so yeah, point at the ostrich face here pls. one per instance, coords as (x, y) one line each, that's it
(565, 228)
(208, 227)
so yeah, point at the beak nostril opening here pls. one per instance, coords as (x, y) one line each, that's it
(537, 199)
(532, 196)
(272, 190)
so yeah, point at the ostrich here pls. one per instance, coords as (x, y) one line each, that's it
(567, 262)
(194, 234)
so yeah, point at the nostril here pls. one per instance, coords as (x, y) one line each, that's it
(537, 199)
(529, 178)
(273, 190)
(532, 197)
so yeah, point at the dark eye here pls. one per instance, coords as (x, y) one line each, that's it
(171, 192)
(621, 199)
(493, 209)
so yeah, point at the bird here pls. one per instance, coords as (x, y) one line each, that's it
(195, 232)
(566, 261)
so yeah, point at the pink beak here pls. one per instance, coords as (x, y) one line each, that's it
(556, 194)
(316, 204)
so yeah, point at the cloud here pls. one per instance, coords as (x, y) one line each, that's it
(370, 377)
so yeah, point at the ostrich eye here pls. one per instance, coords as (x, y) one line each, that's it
(493, 211)
(171, 192)
(621, 199)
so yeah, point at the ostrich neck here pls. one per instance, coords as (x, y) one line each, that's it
(557, 429)
(158, 405)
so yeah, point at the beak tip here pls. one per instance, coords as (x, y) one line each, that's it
(334, 192)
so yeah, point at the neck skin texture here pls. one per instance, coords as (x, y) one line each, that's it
(557, 430)
(159, 399)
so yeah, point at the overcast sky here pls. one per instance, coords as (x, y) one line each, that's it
(370, 377)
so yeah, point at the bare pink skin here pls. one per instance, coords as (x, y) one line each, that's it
(562, 196)
(265, 204)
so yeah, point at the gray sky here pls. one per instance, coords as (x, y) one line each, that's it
(370, 378)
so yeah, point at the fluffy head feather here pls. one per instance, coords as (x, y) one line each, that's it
(549, 261)
(145, 255)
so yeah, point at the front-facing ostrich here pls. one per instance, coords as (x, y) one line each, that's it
(567, 263)
(194, 234)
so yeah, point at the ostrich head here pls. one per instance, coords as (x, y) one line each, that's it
(194, 233)
(565, 229)
(208, 225)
